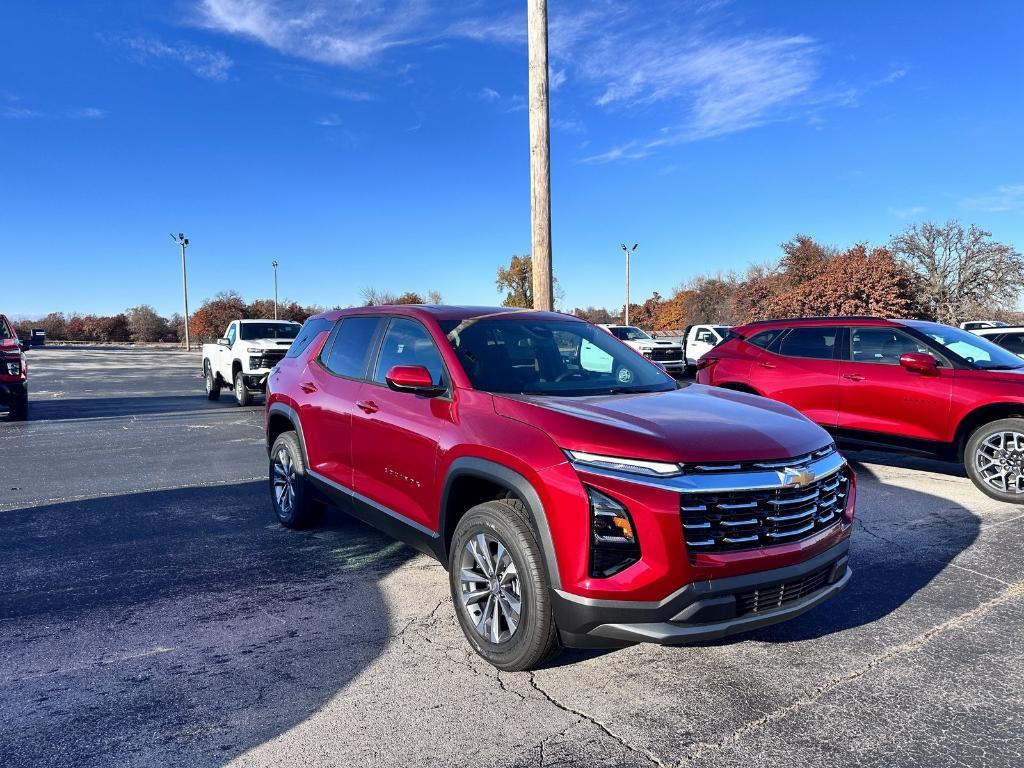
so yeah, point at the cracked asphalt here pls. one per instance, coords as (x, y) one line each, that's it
(152, 612)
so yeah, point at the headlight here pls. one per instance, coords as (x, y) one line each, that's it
(631, 466)
(613, 540)
(254, 350)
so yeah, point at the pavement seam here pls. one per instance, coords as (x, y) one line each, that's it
(604, 728)
(699, 750)
(110, 494)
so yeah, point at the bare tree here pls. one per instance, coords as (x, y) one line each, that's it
(434, 297)
(964, 273)
(144, 324)
(374, 298)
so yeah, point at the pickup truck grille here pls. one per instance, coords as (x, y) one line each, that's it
(666, 354)
(267, 359)
(744, 519)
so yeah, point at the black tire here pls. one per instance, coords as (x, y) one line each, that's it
(243, 395)
(979, 457)
(19, 409)
(535, 637)
(299, 510)
(212, 381)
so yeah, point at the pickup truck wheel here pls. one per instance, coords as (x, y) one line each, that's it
(994, 459)
(500, 586)
(242, 393)
(290, 495)
(212, 382)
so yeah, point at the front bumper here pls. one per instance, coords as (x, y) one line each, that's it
(705, 610)
(256, 381)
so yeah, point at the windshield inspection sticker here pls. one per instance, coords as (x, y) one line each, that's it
(625, 375)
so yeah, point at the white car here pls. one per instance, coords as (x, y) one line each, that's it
(667, 354)
(976, 325)
(243, 357)
(1007, 337)
(701, 339)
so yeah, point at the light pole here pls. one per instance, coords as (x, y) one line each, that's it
(540, 153)
(627, 251)
(183, 242)
(274, 265)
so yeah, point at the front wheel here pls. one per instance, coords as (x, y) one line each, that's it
(994, 459)
(500, 586)
(242, 393)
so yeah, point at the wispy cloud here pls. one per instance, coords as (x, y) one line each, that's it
(203, 62)
(349, 33)
(329, 121)
(1005, 198)
(10, 112)
(908, 212)
(349, 94)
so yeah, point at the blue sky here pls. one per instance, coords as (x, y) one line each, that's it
(385, 143)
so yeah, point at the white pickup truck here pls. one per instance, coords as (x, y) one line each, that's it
(701, 339)
(241, 360)
(667, 354)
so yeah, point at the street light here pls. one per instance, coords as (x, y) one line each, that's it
(628, 251)
(182, 241)
(274, 265)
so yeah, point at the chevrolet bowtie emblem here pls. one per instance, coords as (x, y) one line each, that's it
(796, 477)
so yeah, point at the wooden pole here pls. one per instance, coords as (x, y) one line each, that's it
(540, 153)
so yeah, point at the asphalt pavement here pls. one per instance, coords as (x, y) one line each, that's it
(152, 612)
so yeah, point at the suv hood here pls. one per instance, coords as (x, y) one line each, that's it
(267, 343)
(693, 424)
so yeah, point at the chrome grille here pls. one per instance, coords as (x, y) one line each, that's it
(743, 519)
(666, 353)
(780, 595)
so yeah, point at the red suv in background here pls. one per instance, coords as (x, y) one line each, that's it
(576, 494)
(13, 372)
(907, 384)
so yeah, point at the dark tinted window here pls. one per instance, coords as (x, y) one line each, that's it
(269, 330)
(310, 331)
(882, 345)
(1013, 342)
(408, 343)
(348, 351)
(5, 332)
(817, 343)
(764, 339)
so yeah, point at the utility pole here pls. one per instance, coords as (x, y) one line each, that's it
(627, 252)
(183, 242)
(540, 153)
(274, 265)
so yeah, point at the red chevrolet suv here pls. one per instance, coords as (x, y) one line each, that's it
(576, 494)
(13, 373)
(905, 384)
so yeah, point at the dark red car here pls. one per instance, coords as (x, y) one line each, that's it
(13, 373)
(905, 384)
(577, 495)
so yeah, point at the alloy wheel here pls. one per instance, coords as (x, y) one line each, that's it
(999, 461)
(490, 588)
(284, 481)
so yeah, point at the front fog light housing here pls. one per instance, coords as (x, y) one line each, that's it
(614, 545)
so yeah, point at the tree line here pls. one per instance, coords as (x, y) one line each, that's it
(948, 273)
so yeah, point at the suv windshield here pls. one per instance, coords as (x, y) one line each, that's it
(269, 330)
(566, 358)
(969, 346)
(628, 333)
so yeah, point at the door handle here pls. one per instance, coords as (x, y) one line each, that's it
(853, 376)
(308, 387)
(767, 365)
(368, 406)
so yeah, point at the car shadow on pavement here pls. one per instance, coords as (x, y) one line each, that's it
(114, 407)
(902, 540)
(178, 627)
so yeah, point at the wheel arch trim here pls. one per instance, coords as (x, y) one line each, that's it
(283, 409)
(492, 471)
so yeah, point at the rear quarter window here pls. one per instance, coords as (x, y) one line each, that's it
(310, 331)
(765, 339)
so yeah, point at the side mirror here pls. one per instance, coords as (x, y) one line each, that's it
(414, 379)
(23, 344)
(917, 362)
(224, 342)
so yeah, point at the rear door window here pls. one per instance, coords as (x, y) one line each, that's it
(817, 343)
(348, 351)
